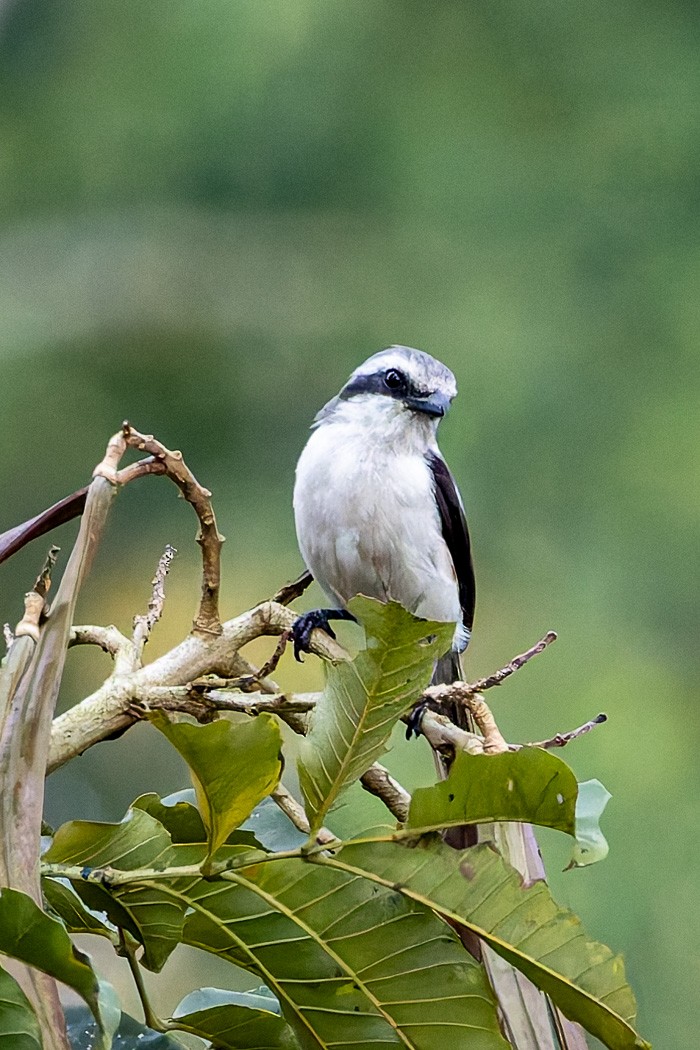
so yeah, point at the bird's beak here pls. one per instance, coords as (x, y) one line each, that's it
(432, 405)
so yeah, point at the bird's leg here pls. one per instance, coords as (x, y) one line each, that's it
(307, 622)
(415, 715)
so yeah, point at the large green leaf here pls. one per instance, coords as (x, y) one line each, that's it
(363, 699)
(525, 926)
(233, 766)
(529, 785)
(19, 1028)
(235, 1020)
(154, 918)
(35, 938)
(349, 963)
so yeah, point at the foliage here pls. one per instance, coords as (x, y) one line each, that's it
(356, 941)
(213, 211)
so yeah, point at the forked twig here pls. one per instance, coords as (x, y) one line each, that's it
(209, 538)
(562, 739)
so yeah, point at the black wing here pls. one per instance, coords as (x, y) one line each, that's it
(455, 534)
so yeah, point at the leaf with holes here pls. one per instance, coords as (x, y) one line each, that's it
(529, 785)
(525, 926)
(364, 698)
(349, 962)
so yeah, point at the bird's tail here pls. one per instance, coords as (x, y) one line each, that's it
(448, 669)
(529, 1019)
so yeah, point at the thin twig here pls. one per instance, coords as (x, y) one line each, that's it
(287, 594)
(514, 665)
(209, 538)
(270, 666)
(42, 584)
(143, 625)
(204, 703)
(562, 739)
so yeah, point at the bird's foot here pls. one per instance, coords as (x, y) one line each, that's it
(307, 622)
(415, 717)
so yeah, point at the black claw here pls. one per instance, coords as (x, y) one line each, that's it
(415, 718)
(307, 622)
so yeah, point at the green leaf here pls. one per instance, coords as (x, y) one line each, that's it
(181, 818)
(364, 698)
(33, 937)
(591, 845)
(349, 962)
(72, 911)
(153, 917)
(233, 767)
(525, 926)
(235, 1020)
(529, 785)
(130, 1035)
(19, 1028)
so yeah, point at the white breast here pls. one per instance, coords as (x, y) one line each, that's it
(366, 517)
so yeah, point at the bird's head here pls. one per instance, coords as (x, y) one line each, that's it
(399, 379)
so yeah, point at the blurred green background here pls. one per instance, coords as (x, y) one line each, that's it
(212, 211)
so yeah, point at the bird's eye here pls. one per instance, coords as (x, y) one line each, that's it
(393, 379)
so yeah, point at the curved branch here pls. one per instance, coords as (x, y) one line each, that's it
(209, 538)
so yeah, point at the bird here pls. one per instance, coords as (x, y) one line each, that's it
(376, 508)
(378, 512)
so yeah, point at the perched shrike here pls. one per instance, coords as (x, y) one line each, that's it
(377, 510)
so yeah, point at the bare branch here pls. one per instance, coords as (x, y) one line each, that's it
(149, 465)
(109, 639)
(107, 711)
(379, 782)
(203, 704)
(207, 621)
(445, 737)
(107, 468)
(287, 594)
(514, 665)
(295, 811)
(143, 625)
(270, 666)
(562, 739)
(462, 693)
